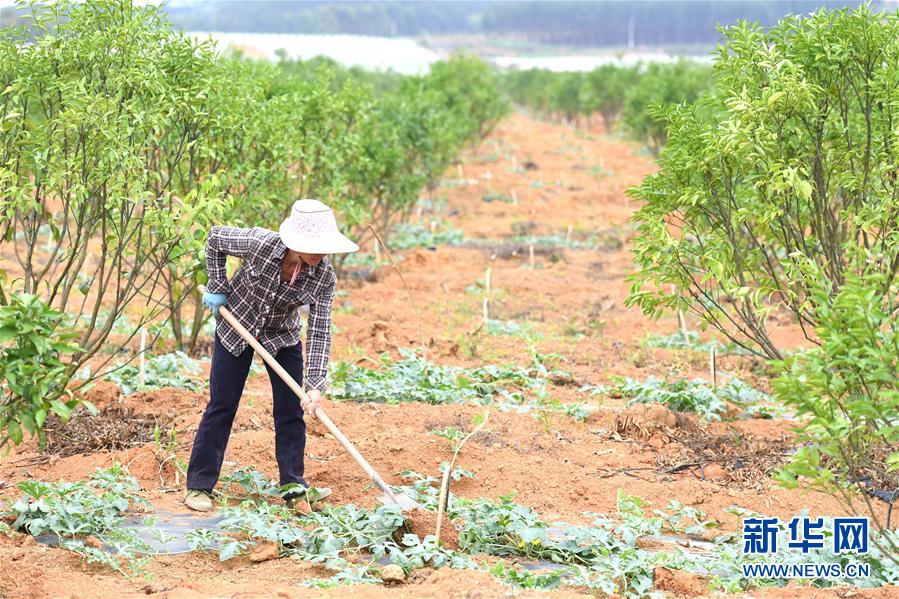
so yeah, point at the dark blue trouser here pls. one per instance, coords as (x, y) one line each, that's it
(226, 383)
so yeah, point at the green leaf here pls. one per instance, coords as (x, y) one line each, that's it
(14, 432)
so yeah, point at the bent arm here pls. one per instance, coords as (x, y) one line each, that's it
(318, 341)
(223, 242)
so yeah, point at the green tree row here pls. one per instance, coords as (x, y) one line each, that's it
(783, 207)
(122, 141)
(624, 96)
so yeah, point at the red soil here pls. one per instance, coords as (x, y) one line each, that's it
(561, 471)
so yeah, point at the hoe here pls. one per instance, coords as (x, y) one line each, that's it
(404, 501)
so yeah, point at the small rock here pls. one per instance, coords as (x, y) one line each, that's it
(264, 552)
(393, 574)
(714, 472)
(156, 587)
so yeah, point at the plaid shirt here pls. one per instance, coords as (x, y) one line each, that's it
(267, 307)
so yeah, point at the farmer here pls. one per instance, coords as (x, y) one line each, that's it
(279, 273)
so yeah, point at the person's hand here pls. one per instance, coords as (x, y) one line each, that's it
(214, 301)
(315, 402)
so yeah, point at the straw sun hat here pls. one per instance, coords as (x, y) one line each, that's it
(312, 229)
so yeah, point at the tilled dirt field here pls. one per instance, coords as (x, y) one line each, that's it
(573, 297)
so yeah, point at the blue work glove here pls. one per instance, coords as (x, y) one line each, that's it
(214, 301)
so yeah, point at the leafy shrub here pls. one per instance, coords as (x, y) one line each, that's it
(776, 181)
(33, 372)
(658, 86)
(138, 112)
(847, 394)
(179, 138)
(605, 90)
(779, 194)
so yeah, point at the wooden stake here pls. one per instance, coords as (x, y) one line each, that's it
(389, 258)
(487, 280)
(143, 349)
(531, 254)
(442, 502)
(377, 252)
(713, 366)
(681, 320)
(486, 311)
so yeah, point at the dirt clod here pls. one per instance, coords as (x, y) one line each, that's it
(264, 552)
(679, 583)
(424, 522)
(393, 574)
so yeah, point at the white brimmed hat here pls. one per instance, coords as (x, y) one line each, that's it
(312, 229)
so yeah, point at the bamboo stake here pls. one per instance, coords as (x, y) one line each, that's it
(568, 235)
(531, 254)
(682, 323)
(713, 366)
(487, 279)
(486, 311)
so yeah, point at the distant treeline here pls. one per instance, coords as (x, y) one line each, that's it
(625, 97)
(601, 23)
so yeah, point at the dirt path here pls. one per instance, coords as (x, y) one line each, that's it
(574, 298)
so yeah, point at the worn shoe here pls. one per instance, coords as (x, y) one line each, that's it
(198, 500)
(313, 494)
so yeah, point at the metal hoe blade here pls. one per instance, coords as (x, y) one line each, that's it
(404, 501)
